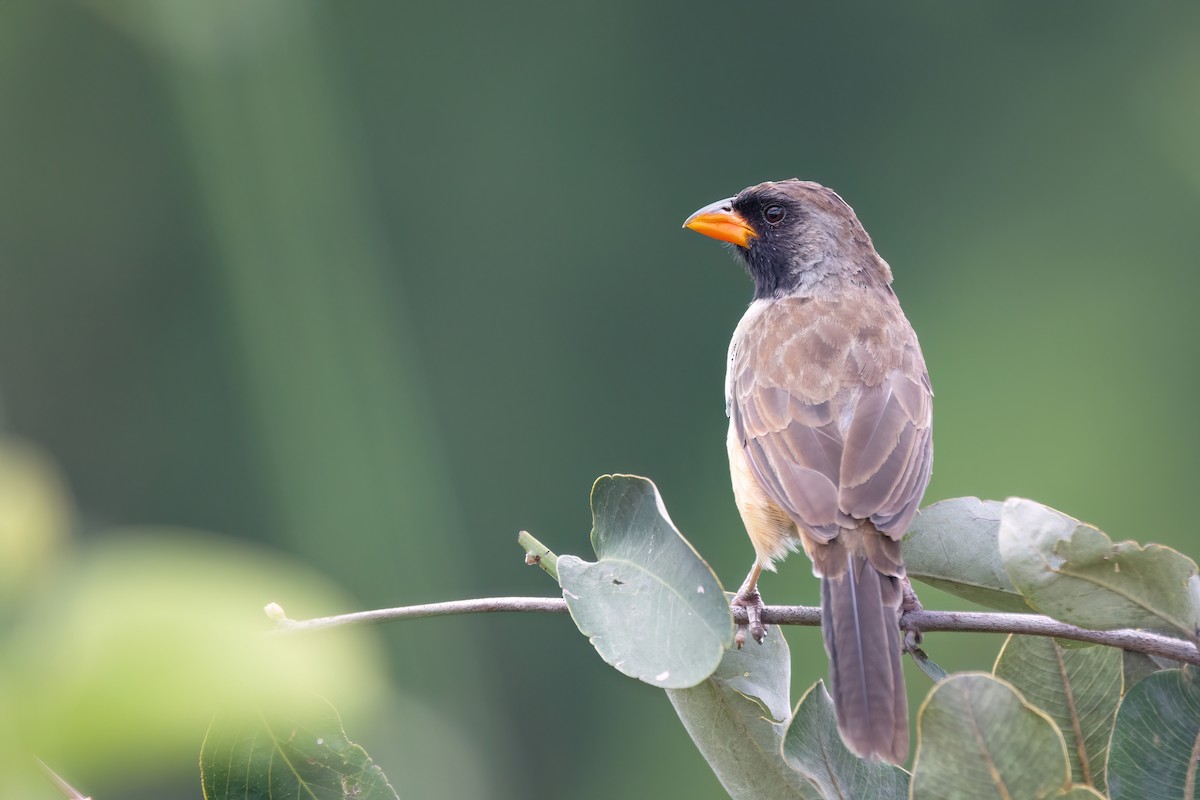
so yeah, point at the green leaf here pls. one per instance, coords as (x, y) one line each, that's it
(1156, 741)
(978, 739)
(931, 668)
(814, 748)
(278, 758)
(1079, 689)
(952, 546)
(737, 718)
(1080, 792)
(1142, 665)
(1075, 573)
(650, 604)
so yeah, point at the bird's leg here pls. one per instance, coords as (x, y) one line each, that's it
(748, 598)
(910, 602)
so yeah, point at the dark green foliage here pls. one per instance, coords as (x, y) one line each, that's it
(270, 756)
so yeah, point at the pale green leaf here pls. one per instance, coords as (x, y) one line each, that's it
(931, 668)
(273, 757)
(977, 739)
(1080, 792)
(1142, 665)
(1079, 689)
(650, 605)
(1074, 572)
(737, 718)
(952, 546)
(814, 748)
(1155, 746)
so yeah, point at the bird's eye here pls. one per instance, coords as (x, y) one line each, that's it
(774, 214)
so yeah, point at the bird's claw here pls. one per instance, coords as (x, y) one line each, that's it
(909, 600)
(753, 603)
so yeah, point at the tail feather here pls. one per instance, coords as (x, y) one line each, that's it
(860, 613)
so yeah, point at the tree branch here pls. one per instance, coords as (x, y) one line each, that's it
(926, 621)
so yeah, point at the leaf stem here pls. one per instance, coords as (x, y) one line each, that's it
(538, 553)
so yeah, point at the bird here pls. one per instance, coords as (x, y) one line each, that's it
(830, 435)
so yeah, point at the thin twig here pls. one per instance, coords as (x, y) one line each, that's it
(926, 621)
(481, 605)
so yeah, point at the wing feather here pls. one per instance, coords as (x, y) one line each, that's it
(832, 405)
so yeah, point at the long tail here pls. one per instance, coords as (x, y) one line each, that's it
(860, 613)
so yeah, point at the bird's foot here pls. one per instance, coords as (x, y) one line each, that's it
(753, 603)
(910, 602)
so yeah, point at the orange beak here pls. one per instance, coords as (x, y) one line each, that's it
(720, 221)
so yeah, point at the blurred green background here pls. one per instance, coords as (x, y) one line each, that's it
(363, 289)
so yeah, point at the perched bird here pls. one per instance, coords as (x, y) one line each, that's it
(830, 444)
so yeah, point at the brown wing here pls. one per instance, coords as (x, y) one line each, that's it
(832, 403)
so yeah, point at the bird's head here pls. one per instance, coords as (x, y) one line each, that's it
(795, 237)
